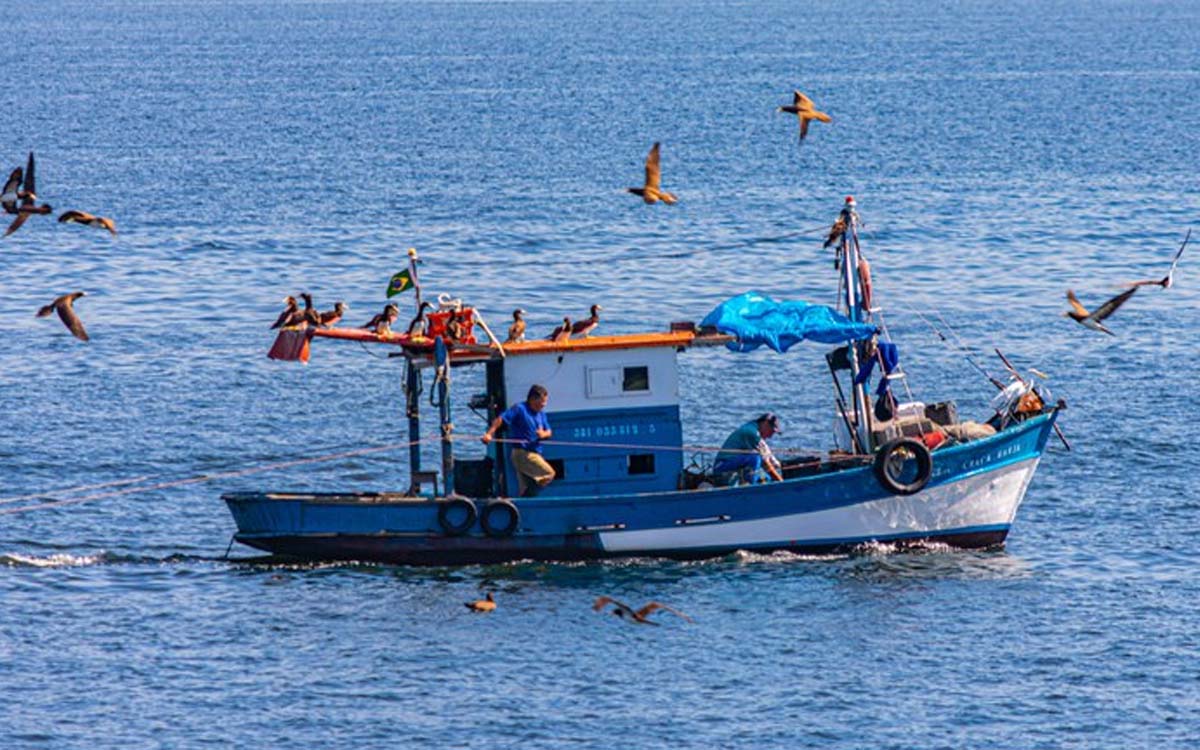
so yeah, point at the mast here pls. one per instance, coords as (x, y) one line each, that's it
(849, 257)
(441, 359)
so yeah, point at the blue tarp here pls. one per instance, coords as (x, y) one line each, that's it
(758, 320)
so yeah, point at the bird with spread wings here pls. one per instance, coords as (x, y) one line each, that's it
(640, 616)
(1092, 319)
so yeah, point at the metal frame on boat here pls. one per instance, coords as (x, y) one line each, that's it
(621, 488)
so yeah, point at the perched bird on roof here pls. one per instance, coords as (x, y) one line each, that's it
(1092, 320)
(28, 196)
(587, 325)
(804, 109)
(652, 191)
(419, 325)
(64, 306)
(625, 612)
(486, 604)
(83, 217)
(516, 331)
(331, 317)
(1167, 281)
(290, 315)
(309, 314)
(562, 333)
(382, 323)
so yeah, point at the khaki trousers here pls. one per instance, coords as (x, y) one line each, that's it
(531, 466)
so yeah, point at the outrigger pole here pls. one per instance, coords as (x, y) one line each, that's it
(849, 252)
(412, 386)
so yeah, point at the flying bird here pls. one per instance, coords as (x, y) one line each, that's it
(12, 191)
(652, 192)
(64, 306)
(640, 616)
(516, 331)
(330, 318)
(1092, 320)
(28, 196)
(804, 109)
(419, 325)
(290, 315)
(486, 604)
(562, 333)
(1167, 281)
(587, 325)
(83, 217)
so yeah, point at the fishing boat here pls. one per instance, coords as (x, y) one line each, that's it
(899, 473)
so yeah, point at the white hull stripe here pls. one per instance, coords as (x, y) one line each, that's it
(982, 501)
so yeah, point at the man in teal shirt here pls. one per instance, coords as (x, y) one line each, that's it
(745, 451)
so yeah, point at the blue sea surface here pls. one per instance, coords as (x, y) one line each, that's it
(1000, 153)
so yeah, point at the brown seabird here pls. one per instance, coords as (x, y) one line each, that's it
(290, 314)
(28, 196)
(562, 333)
(83, 217)
(1080, 314)
(330, 318)
(64, 306)
(587, 325)
(625, 612)
(652, 191)
(516, 331)
(804, 109)
(486, 604)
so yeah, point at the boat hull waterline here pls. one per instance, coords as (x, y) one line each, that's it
(970, 502)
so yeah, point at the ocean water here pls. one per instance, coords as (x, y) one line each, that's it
(1001, 153)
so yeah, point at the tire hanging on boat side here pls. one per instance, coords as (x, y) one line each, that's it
(918, 452)
(506, 510)
(449, 506)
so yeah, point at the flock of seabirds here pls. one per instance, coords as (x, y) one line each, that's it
(457, 326)
(20, 200)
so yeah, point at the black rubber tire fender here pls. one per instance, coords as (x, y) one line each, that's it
(924, 466)
(487, 520)
(456, 529)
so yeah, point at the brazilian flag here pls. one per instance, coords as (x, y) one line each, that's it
(400, 282)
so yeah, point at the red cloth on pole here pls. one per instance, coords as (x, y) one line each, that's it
(291, 345)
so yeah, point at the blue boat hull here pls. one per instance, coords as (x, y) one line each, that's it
(970, 502)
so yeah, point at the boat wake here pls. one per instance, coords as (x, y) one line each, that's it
(58, 560)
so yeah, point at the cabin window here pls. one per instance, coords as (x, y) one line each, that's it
(636, 379)
(641, 464)
(560, 469)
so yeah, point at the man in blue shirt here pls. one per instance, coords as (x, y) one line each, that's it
(745, 452)
(527, 428)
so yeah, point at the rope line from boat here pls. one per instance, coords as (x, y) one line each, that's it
(201, 477)
(957, 345)
(649, 447)
(77, 488)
